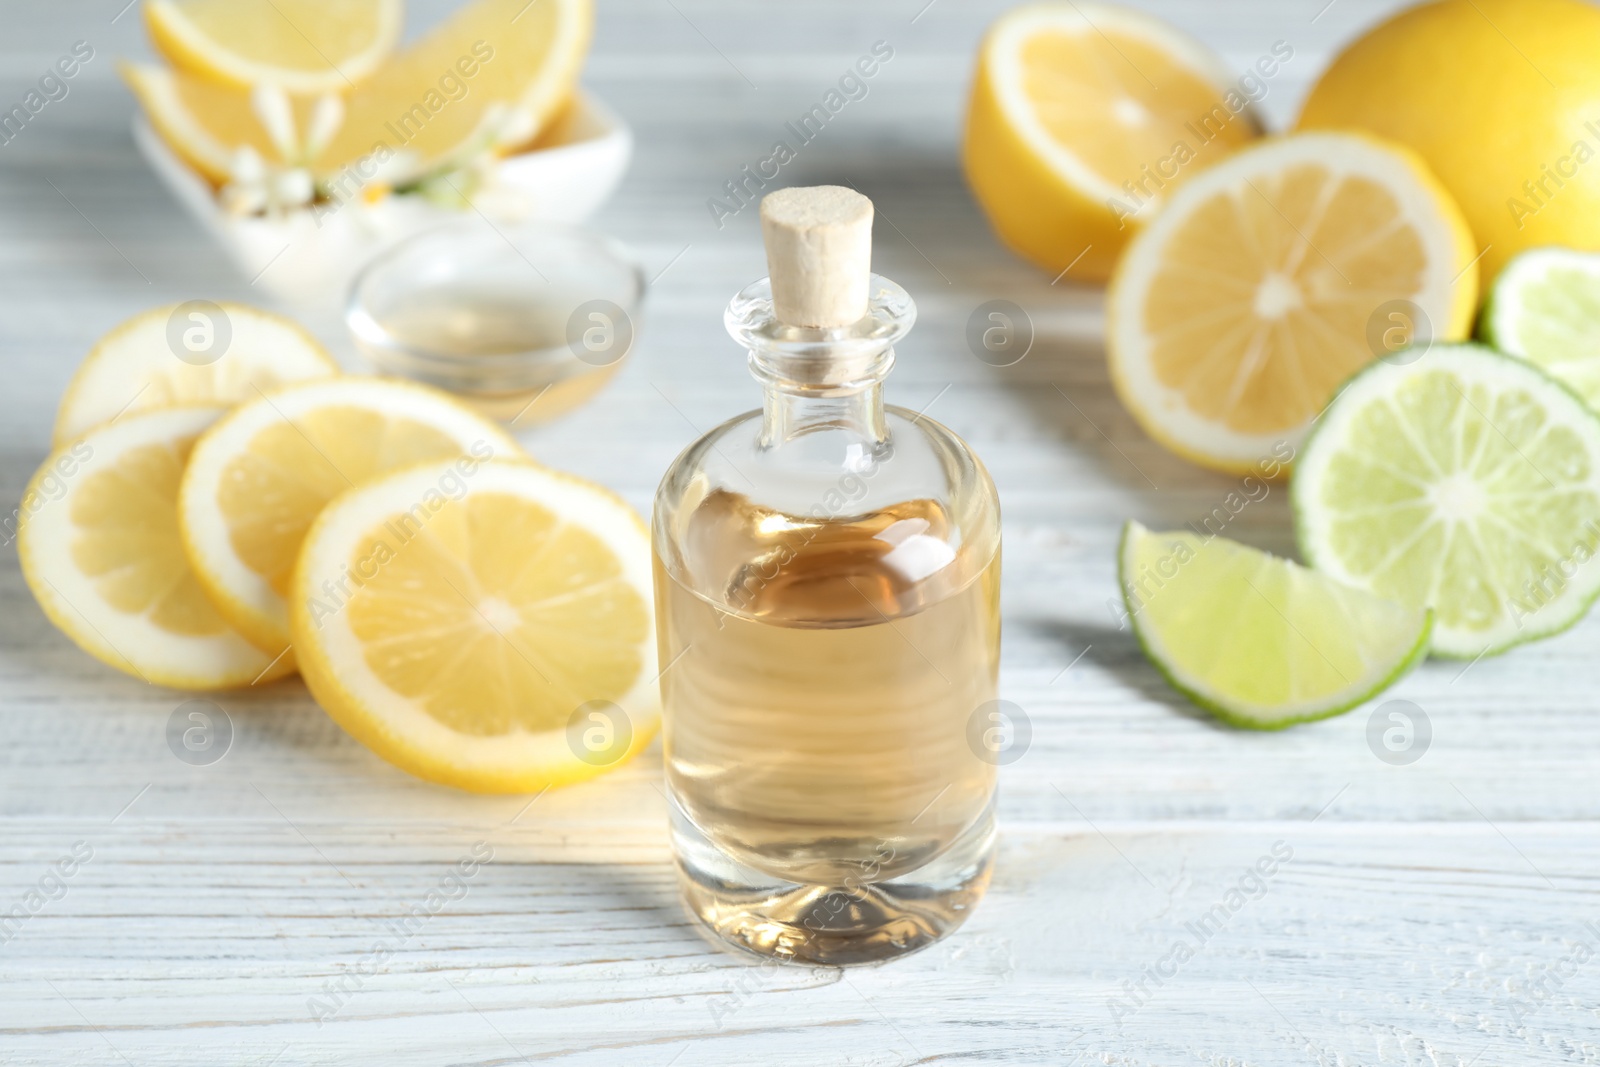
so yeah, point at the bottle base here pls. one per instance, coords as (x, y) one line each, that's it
(832, 925)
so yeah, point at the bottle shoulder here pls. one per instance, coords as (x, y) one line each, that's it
(828, 472)
(918, 500)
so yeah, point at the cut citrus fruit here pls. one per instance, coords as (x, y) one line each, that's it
(304, 46)
(1545, 307)
(260, 476)
(490, 78)
(1083, 117)
(100, 550)
(1464, 480)
(1269, 279)
(499, 639)
(195, 353)
(1259, 641)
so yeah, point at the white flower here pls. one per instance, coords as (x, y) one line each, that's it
(326, 118)
(512, 127)
(256, 186)
(276, 114)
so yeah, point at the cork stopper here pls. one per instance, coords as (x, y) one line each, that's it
(819, 254)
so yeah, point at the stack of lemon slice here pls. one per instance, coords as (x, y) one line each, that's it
(491, 78)
(214, 524)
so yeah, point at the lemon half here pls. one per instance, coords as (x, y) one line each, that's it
(1083, 118)
(1272, 277)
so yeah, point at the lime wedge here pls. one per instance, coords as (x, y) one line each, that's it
(1545, 307)
(1256, 640)
(1464, 480)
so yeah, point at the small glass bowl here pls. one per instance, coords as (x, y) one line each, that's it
(524, 322)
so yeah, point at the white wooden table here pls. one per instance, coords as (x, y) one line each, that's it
(1438, 913)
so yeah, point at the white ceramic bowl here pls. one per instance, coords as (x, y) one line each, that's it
(308, 258)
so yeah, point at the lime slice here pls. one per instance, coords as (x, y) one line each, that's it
(1464, 480)
(1259, 641)
(1545, 307)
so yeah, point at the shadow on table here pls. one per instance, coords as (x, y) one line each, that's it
(1117, 652)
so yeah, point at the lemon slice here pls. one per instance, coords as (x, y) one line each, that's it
(1083, 118)
(1256, 640)
(194, 353)
(305, 46)
(1467, 481)
(484, 625)
(493, 75)
(100, 550)
(260, 476)
(1269, 279)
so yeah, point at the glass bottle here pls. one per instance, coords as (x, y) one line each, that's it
(827, 574)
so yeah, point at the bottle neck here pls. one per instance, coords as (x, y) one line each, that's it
(790, 413)
(822, 381)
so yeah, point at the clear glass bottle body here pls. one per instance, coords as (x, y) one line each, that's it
(827, 596)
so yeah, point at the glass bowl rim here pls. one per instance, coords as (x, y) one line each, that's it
(373, 337)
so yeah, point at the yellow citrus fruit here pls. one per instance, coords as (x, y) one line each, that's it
(484, 625)
(259, 477)
(305, 46)
(494, 75)
(194, 353)
(1498, 97)
(1272, 277)
(1083, 118)
(100, 550)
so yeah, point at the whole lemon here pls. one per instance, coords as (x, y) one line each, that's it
(1501, 97)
